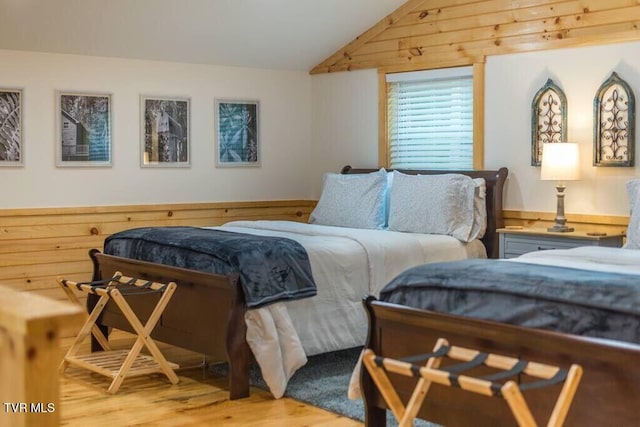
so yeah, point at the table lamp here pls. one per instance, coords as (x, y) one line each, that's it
(560, 163)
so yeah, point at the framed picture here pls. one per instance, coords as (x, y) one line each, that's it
(165, 131)
(237, 133)
(11, 140)
(84, 129)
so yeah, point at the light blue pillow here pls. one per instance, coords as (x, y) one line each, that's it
(433, 204)
(356, 201)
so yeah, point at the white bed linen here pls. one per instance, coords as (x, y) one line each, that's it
(596, 258)
(346, 264)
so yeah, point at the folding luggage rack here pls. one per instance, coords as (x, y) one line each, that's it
(511, 391)
(119, 364)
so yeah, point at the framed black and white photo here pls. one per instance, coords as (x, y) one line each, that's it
(11, 138)
(84, 129)
(165, 131)
(237, 133)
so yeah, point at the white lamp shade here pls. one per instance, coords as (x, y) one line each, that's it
(560, 161)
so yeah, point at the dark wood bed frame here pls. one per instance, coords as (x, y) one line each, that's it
(608, 394)
(206, 313)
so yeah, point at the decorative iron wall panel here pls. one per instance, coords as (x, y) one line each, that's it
(548, 119)
(614, 123)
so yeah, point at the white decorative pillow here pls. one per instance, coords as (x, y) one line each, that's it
(433, 204)
(633, 230)
(356, 201)
(479, 209)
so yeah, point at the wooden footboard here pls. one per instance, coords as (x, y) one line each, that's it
(607, 395)
(205, 315)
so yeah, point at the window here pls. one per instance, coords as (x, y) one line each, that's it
(430, 119)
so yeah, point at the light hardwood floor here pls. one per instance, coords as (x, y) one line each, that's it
(198, 399)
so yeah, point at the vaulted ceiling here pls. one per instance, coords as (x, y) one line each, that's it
(317, 35)
(277, 34)
(436, 33)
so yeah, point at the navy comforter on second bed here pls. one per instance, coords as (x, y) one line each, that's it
(568, 300)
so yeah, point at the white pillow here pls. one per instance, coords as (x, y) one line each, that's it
(479, 209)
(434, 204)
(356, 201)
(633, 230)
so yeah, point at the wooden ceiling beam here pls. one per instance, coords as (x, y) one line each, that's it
(410, 64)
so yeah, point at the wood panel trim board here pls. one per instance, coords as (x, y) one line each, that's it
(39, 244)
(478, 115)
(156, 207)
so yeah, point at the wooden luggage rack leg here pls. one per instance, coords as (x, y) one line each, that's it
(448, 376)
(123, 363)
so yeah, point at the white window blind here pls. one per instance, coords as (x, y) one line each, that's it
(430, 117)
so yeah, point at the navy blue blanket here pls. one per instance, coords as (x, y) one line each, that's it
(271, 268)
(568, 300)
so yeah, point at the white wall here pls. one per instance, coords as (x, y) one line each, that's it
(511, 84)
(344, 123)
(285, 123)
(309, 125)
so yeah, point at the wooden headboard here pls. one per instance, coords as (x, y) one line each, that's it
(495, 180)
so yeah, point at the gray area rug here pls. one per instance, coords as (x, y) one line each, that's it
(323, 382)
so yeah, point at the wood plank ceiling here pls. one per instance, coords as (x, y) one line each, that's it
(424, 34)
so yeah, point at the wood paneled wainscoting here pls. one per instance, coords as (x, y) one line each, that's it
(38, 245)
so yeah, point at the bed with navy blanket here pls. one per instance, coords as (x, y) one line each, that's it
(568, 300)
(559, 307)
(243, 304)
(271, 268)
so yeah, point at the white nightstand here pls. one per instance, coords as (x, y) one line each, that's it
(515, 242)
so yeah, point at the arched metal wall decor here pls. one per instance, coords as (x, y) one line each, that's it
(548, 119)
(614, 123)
